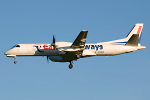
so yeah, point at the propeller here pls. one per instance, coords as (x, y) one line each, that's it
(53, 44)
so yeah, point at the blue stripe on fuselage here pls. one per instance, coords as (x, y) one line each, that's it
(120, 42)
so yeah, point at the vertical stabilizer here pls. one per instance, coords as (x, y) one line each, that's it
(137, 29)
(133, 37)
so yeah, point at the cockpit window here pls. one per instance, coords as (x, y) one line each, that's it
(16, 46)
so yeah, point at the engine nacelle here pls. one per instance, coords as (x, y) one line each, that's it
(61, 59)
(56, 58)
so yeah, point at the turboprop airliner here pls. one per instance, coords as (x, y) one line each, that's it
(68, 52)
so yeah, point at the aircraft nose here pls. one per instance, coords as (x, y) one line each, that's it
(6, 53)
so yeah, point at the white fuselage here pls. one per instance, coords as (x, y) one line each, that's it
(99, 49)
(67, 52)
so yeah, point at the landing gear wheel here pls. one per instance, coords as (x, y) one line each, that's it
(15, 62)
(70, 66)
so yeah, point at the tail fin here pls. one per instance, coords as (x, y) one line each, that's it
(133, 38)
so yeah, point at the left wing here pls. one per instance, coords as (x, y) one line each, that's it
(80, 40)
(75, 50)
(77, 45)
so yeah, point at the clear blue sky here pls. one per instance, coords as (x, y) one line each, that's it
(122, 77)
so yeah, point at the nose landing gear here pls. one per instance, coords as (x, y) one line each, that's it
(70, 66)
(15, 61)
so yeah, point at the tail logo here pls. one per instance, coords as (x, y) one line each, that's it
(139, 30)
(38, 48)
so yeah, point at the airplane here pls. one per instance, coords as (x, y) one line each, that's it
(68, 52)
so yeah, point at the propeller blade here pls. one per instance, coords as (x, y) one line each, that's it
(53, 39)
(53, 43)
(47, 59)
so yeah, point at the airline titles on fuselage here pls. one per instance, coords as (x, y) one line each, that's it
(41, 47)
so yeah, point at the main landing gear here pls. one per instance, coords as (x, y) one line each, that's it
(70, 66)
(78, 54)
(15, 61)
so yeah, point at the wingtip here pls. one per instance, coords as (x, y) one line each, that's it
(84, 31)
